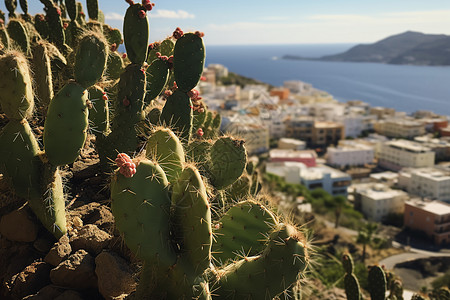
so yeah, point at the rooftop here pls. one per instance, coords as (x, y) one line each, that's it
(408, 146)
(314, 173)
(434, 207)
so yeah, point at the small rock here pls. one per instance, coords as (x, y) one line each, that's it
(94, 213)
(47, 292)
(77, 222)
(18, 226)
(77, 272)
(31, 279)
(115, 277)
(91, 238)
(42, 245)
(59, 251)
(69, 295)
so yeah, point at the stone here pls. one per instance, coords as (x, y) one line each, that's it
(115, 277)
(93, 213)
(31, 279)
(91, 239)
(60, 251)
(77, 272)
(18, 226)
(69, 295)
(77, 222)
(42, 245)
(47, 292)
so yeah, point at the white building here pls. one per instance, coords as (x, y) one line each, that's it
(350, 155)
(376, 201)
(331, 180)
(398, 154)
(432, 183)
(292, 144)
(220, 70)
(400, 128)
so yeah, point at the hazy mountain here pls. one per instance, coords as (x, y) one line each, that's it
(406, 48)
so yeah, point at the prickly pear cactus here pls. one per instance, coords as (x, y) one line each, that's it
(377, 283)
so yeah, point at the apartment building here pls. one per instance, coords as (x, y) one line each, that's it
(292, 144)
(377, 201)
(398, 154)
(432, 218)
(400, 128)
(300, 127)
(307, 157)
(331, 180)
(327, 133)
(432, 183)
(350, 155)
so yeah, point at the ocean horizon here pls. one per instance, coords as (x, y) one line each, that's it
(402, 87)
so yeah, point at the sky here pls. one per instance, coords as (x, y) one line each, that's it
(252, 22)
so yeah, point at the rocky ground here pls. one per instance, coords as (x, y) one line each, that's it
(91, 262)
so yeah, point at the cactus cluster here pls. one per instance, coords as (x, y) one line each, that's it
(62, 105)
(163, 210)
(186, 204)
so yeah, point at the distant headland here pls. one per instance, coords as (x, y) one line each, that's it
(408, 48)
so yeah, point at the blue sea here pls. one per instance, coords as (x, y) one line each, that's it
(405, 88)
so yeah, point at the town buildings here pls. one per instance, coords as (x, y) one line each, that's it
(432, 218)
(398, 154)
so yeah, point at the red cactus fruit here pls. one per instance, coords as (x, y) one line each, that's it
(168, 93)
(178, 33)
(142, 14)
(128, 169)
(105, 97)
(199, 34)
(124, 56)
(113, 47)
(147, 4)
(122, 158)
(200, 132)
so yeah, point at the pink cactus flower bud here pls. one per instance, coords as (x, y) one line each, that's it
(175, 86)
(105, 97)
(142, 14)
(113, 47)
(203, 78)
(126, 102)
(167, 93)
(121, 159)
(193, 94)
(124, 56)
(158, 54)
(128, 169)
(147, 5)
(200, 132)
(58, 11)
(199, 34)
(65, 25)
(178, 33)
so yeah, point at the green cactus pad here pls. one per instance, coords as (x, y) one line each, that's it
(73, 34)
(228, 158)
(141, 206)
(135, 32)
(99, 112)
(24, 6)
(11, 6)
(81, 15)
(192, 220)
(65, 127)
(347, 263)
(197, 151)
(50, 207)
(16, 91)
(269, 274)
(56, 32)
(153, 115)
(18, 34)
(92, 8)
(243, 231)
(72, 9)
(166, 47)
(41, 26)
(377, 283)
(188, 61)
(351, 284)
(42, 75)
(198, 119)
(164, 147)
(19, 160)
(157, 76)
(115, 66)
(113, 35)
(177, 114)
(90, 60)
(4, 38)
(240, 189)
